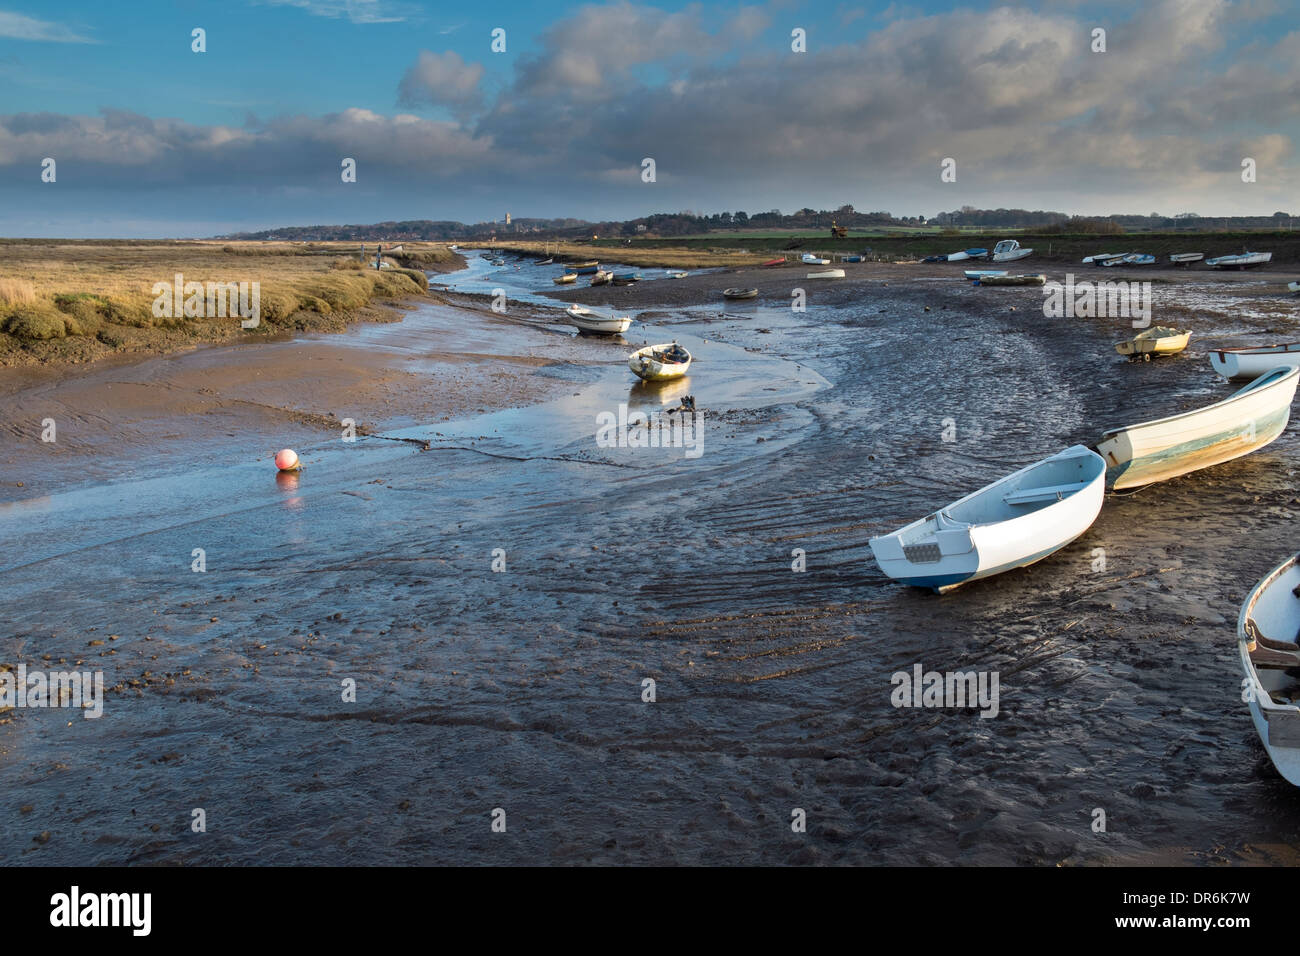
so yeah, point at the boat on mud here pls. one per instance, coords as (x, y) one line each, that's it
(1015, 521)
(1035, 278)
(827, 274)
(1268, 629)
(1168, 447)
(979, 275)
(601, 277)
(659, 363)
(1253, 362)
(740, 293)
(1157, 340)
(1243, 261)
(593, 323)
(1008, 250)
(565, 279)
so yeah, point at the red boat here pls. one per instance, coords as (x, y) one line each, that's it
(773, 262)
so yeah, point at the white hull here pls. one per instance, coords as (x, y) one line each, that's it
(1272, 611)
(1168, 447)
(1252, 363)
(828, 274)
(1243, 261)
(1185, 257)
(584, 320)
(1102, 257)
(958, 256)
(1293, 286)
(981, 273)
(646, 366)
(810, 259)
(1011, 523)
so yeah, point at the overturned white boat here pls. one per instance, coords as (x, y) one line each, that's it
(1186, 258)
(827, 274)
(1013, 522)
(1267, 631)
(593, 323)
(1253, 362)
(978, 274)
(1243, 261)
(1102, 258)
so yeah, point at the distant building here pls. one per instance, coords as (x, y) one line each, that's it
(507, 219)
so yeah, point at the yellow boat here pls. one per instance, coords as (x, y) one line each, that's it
(566, 278)
(1158, 340)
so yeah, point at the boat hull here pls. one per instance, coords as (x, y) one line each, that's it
(827, 274)
(591, 323)
(1273, 611)
(1166, 448)
(648, 369)
(941, 553)
(1155, 345)
(1013, 280)
(1252, 363)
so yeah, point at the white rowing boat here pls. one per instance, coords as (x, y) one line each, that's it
(659, 363)
(1008, 250)
(1186, 258)
(585, 320)
(1253, 362)
(1011, 523)
(827, 274)
(1243, 261)
(813, 260)
(1168, 447)
(1102, 258)
(1267, 632)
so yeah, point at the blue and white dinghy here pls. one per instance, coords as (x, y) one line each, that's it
(1013, 522)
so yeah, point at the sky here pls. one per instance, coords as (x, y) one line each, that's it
(152, 139)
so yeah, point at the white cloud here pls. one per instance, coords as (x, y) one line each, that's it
(15, 26)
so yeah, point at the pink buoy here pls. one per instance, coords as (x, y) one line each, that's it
(286, 459)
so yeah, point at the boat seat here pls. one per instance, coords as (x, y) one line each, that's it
(1268, 659)
(1027, 496)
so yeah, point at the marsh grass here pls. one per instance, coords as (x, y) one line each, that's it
(102, 292)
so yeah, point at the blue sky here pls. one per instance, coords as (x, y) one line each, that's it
(152, 139)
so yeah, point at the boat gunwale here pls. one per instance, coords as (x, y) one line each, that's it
(1262, 697)
(1256, 387)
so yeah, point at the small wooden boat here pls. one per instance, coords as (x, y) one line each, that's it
(585, 270)
(1268, 629)
(770, 263)
(1008, 250)
(593, 323)
(813, 260)
(545, 262)
(575, 266)
(1157, 340)
(1036, 278)
(566, 278)
(1102, 257)
(601, 277)
(1137, 259)
(1253, 362)
(1293, 286)
(659, 363)
(1186, 258)
(1168, 447)
(980, 274)
(1243, 261)
(827, 274)
(1111, 262)
(1011, 523)
(740, 293)
(628, 276)
(676, 275)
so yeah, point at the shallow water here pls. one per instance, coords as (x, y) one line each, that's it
(522, 688)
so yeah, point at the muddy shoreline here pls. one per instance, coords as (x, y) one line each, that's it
(521, 686)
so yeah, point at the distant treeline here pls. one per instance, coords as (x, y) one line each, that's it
(688, 222)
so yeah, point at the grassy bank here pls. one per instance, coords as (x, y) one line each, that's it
(739, 248)
(74, 301)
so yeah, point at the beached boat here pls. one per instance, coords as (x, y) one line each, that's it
(1008, 250)
(676, 275)
(957, 256)
(1138, 259)
(1293, 286)
(1157, 340)
(1268, 628)
(601, 277)
(544, 262)
(1035, 278)
(770, 263)
(1111, 262)
(979, 274)
(628, 276)
(813, 260)
(850, 258)
(976, 253)
(1011, 523)
(575, 266)
(740, 293)
(566, 278)
(498, 262)
(1186, 258)
(1253, 362)
(1102, 257)
(1243, 261)
(929, 259)
(827, 274)
(1168, 447)
(659, 363)
(585, 320)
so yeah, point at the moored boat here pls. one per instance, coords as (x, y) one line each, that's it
(1157, 340)
(740, 293)
(601, 277)
(850, 258)
(1186, 258)
(544, 262)
(976, 253)
(1008, 250)
(1102, 258)
(676, 275)
(585, 320)
(575, 266)
(1168, 447)
(1035, 278)
(1015, 521)
(827, 274)
(566, 278)
(1268, 629)
(1253, 362)
(659, 363)
(1243, 261)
